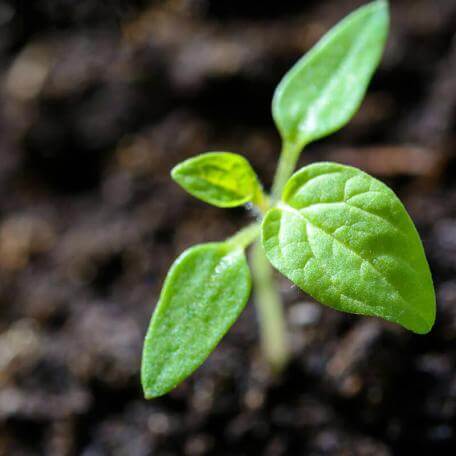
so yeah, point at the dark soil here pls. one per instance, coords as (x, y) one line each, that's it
(99, 100)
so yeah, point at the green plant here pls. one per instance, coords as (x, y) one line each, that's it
(337, 233)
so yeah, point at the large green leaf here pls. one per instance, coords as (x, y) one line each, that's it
(223, 179)
(325, 87)
(346, 239)
(205, 291)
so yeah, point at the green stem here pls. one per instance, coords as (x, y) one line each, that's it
(287, 163)
(267, 299)
(246, 236)
(268, 302)
(270, 310)
(262, 202)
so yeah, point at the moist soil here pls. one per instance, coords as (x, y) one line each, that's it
(98, 101)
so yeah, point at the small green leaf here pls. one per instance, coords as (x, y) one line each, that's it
(205, 291)
(219, 178)
(324, 89)
(346, 239)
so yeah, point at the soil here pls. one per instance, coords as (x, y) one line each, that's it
(98, 101)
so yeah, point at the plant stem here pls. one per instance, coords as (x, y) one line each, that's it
(271, 318)
(270, 310)
(243, 238)
(287, 163)
(267, 299)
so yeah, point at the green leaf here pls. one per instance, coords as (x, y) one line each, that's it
(346, 239)
(219, 178)
(324, 89)
(205, 291)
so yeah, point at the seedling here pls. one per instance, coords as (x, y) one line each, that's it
(340, 235)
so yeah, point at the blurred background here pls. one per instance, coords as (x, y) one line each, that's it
(98, 100)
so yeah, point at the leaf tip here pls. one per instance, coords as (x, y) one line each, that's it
(381, 7)
(150, 394)
(378, 5)
(151, 386)
(175, 172)
(379, 12)
(383, 3)
(424, 326)
(421, 330)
